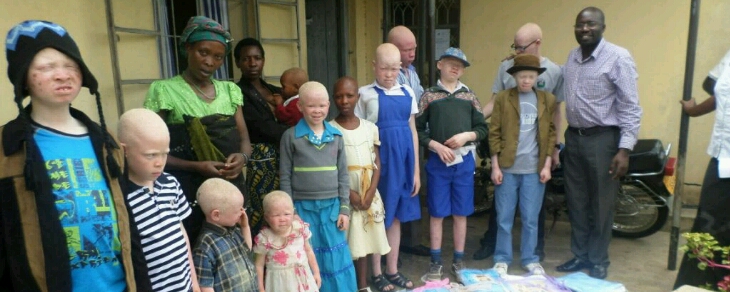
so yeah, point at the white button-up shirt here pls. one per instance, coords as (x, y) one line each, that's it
(720, 140)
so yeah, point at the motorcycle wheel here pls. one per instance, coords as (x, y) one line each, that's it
(638, 212)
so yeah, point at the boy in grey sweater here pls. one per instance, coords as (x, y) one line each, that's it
(313, 170)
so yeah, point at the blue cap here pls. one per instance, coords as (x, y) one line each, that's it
(455, 53)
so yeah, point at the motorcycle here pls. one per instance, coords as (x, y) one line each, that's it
(641, 205)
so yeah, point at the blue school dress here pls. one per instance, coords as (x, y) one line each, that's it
(329, 244)
(396, 157)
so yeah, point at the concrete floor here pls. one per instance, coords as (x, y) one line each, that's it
(639, 264)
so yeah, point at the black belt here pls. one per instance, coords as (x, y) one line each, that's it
(592, 130)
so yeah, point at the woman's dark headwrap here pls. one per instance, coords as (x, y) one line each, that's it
(201, 28)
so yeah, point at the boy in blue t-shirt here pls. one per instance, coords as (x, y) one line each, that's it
(521, 139)
(64, 224)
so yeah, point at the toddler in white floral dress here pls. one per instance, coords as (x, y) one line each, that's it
(283, 247)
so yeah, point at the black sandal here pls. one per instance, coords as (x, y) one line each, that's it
(381, 283)
(399, 280)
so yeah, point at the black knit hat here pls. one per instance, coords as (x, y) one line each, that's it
(27, 38)
(22, 43)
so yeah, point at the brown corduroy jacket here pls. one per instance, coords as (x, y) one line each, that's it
(504, 127)
(27, 261)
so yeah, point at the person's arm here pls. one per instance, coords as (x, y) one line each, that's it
(193, 274)
(246, 230)
(343, 185)
(285, 163)
(695, 110)
(312, 262)
(629, 112)
(416, 169)
(203, 268)
(260, 262)
(628, 109)
(374, 179)
(495, 140)
(489, 107)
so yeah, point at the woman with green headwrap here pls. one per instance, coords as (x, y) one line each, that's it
(208, 135)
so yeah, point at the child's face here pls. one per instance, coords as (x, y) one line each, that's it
(346, 97)
(386, 72)
(314, 107)
(279, 217)
(53, 78)
(231, 214)
(451, 69)
(525, 80)
(146, 159)
(289, 88)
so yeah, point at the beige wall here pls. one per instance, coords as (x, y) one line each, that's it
(277, 21)
(86, 22)
(366, 17)
(655, 32)
(138, 56)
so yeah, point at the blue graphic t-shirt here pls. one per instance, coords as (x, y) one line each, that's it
(86, 210)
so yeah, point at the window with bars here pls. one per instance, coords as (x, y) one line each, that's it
(414, 15)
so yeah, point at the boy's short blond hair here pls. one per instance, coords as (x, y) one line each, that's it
(276, 197)
(140, 124)
(312, 89)
(216, 194)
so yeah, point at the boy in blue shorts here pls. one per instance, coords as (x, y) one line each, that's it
(454, 117)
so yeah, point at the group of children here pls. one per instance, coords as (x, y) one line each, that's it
(346, 185)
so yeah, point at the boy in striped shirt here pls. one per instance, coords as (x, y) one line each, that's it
(156, 202)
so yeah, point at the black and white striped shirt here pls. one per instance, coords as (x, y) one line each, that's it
(158, 216)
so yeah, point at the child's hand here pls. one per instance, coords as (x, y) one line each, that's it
(545, 174)
(355, 200)
(497, 176)
(458, 140)
(369, 195)
(277, 99)
(244, 219)
(416, 184)
(343, 222)
(445, 153)
(318, 280)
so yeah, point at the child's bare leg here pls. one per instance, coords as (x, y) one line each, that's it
(391, 258)
(437, 232)
(459, 233)
(361, 270)
(375, 263)
(378, 271)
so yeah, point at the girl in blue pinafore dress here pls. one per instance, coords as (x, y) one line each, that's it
(396, 157)
(391, 110)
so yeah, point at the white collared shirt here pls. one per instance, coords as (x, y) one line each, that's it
(459, 85)
(720, 140)
(367, 107)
